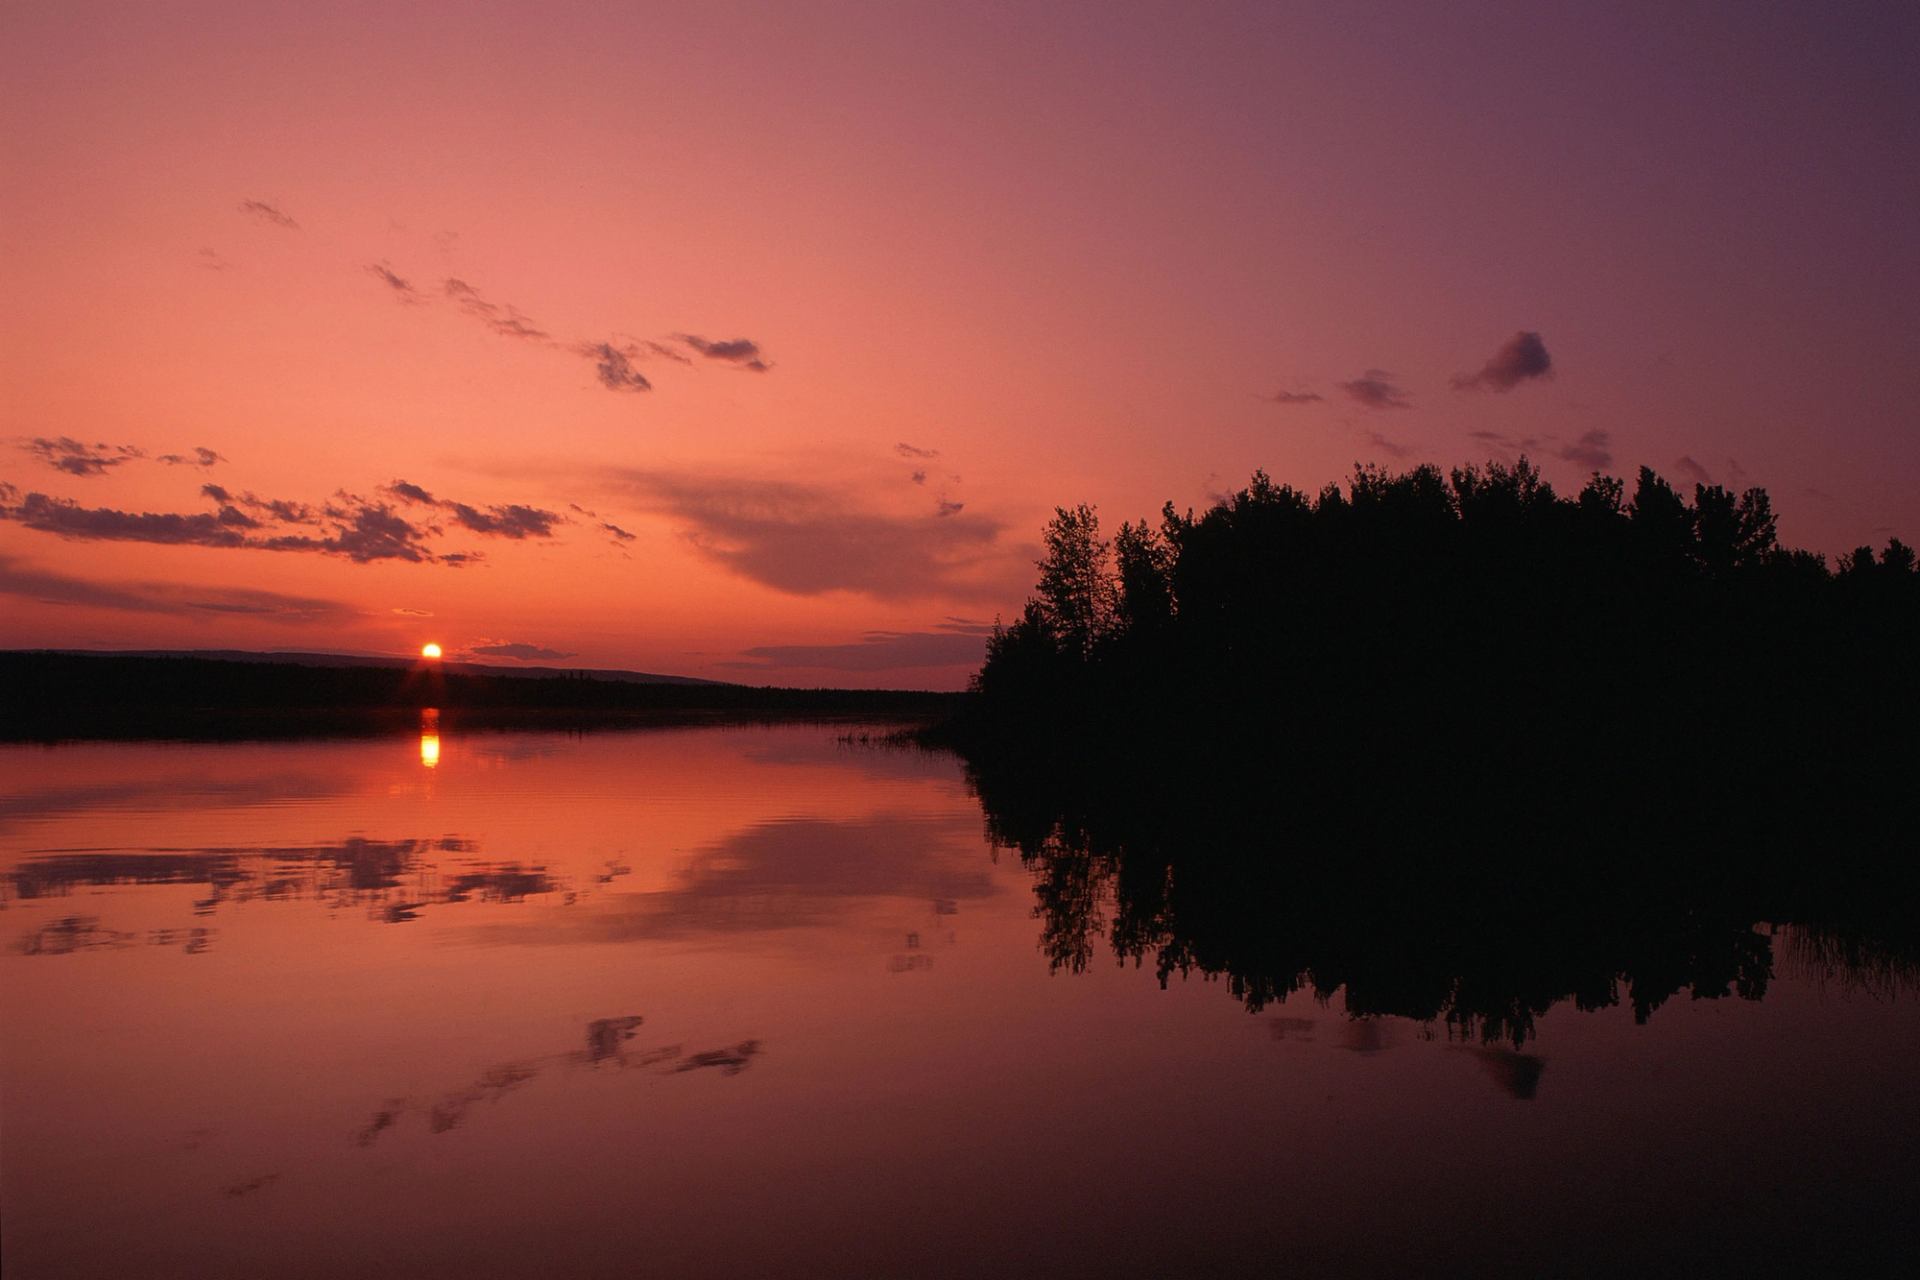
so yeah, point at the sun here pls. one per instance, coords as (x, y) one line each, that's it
(429, 650)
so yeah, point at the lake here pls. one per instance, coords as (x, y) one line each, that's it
(764, 1001)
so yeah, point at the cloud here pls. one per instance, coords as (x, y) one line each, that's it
(208, 260)
(1521, 358)
(507, 322)
(412, 493)
(361, 531)
(364, 532)
(918, 477)
(512, 520)
(414, 613)
(809, 539)
(1375, 390)
(614, 366)
(876, 651)
(946, 508)
(274, 509)
(910, 451)
(519, 652)
(77, 458)
(1692, 470)
(607, 526)
(201, 457)
(509, 520)
(965, 626)
(1391, 447)
(261, 211)
(1593, 449)
(64, 453)
(743, 352)
(177, 600)
(402, 288)
(614, 360)
(1518, 443)
(1296, 397)
(67, 519)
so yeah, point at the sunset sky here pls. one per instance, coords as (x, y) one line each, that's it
(757, 342)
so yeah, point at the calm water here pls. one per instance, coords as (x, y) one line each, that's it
(748, 1001)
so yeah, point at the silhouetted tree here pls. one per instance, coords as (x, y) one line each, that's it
(1076, 589)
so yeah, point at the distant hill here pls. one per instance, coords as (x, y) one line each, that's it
(302, 659)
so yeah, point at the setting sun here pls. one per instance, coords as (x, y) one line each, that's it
(430, 650)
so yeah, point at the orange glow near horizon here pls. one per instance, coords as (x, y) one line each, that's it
(430, 651)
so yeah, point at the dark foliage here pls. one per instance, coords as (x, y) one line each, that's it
(1459, 745)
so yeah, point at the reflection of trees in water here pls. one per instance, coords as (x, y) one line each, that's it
(1480, 924)
(393, 879)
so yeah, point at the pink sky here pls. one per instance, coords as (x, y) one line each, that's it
(992, 257)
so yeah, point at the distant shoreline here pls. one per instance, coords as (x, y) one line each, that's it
(50, 697)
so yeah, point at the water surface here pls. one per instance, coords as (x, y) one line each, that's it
(755, 1001)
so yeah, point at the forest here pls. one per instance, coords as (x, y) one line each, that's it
(1478, 588)
(1459, 745)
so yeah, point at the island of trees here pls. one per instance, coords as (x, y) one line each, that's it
(1460, 746)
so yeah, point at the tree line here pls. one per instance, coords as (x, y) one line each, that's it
(1484, 580)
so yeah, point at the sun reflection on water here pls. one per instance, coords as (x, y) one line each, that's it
(430, 737)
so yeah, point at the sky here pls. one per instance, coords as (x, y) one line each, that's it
(758, 342)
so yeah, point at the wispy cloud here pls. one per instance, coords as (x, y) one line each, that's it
(1686, 465)
(410, 492)
(505, 320)
(741, 352)
(365, 532)
(1593, 449)
(614, 366)
(518, 651)
(1392, 448)
(277, 510)
(507, 520)
(403, 289)
(348, 526)
(1521, 358)
(615, 361)
(906, 450)
(208, 260)
(175, 599)
(272, 215)
(1375, 389)
(201, 456)
(67, 519)
(1506, 441)
(76, 458)
(809, 539)
(606, 526)
(1296, 397)
(875, 651)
